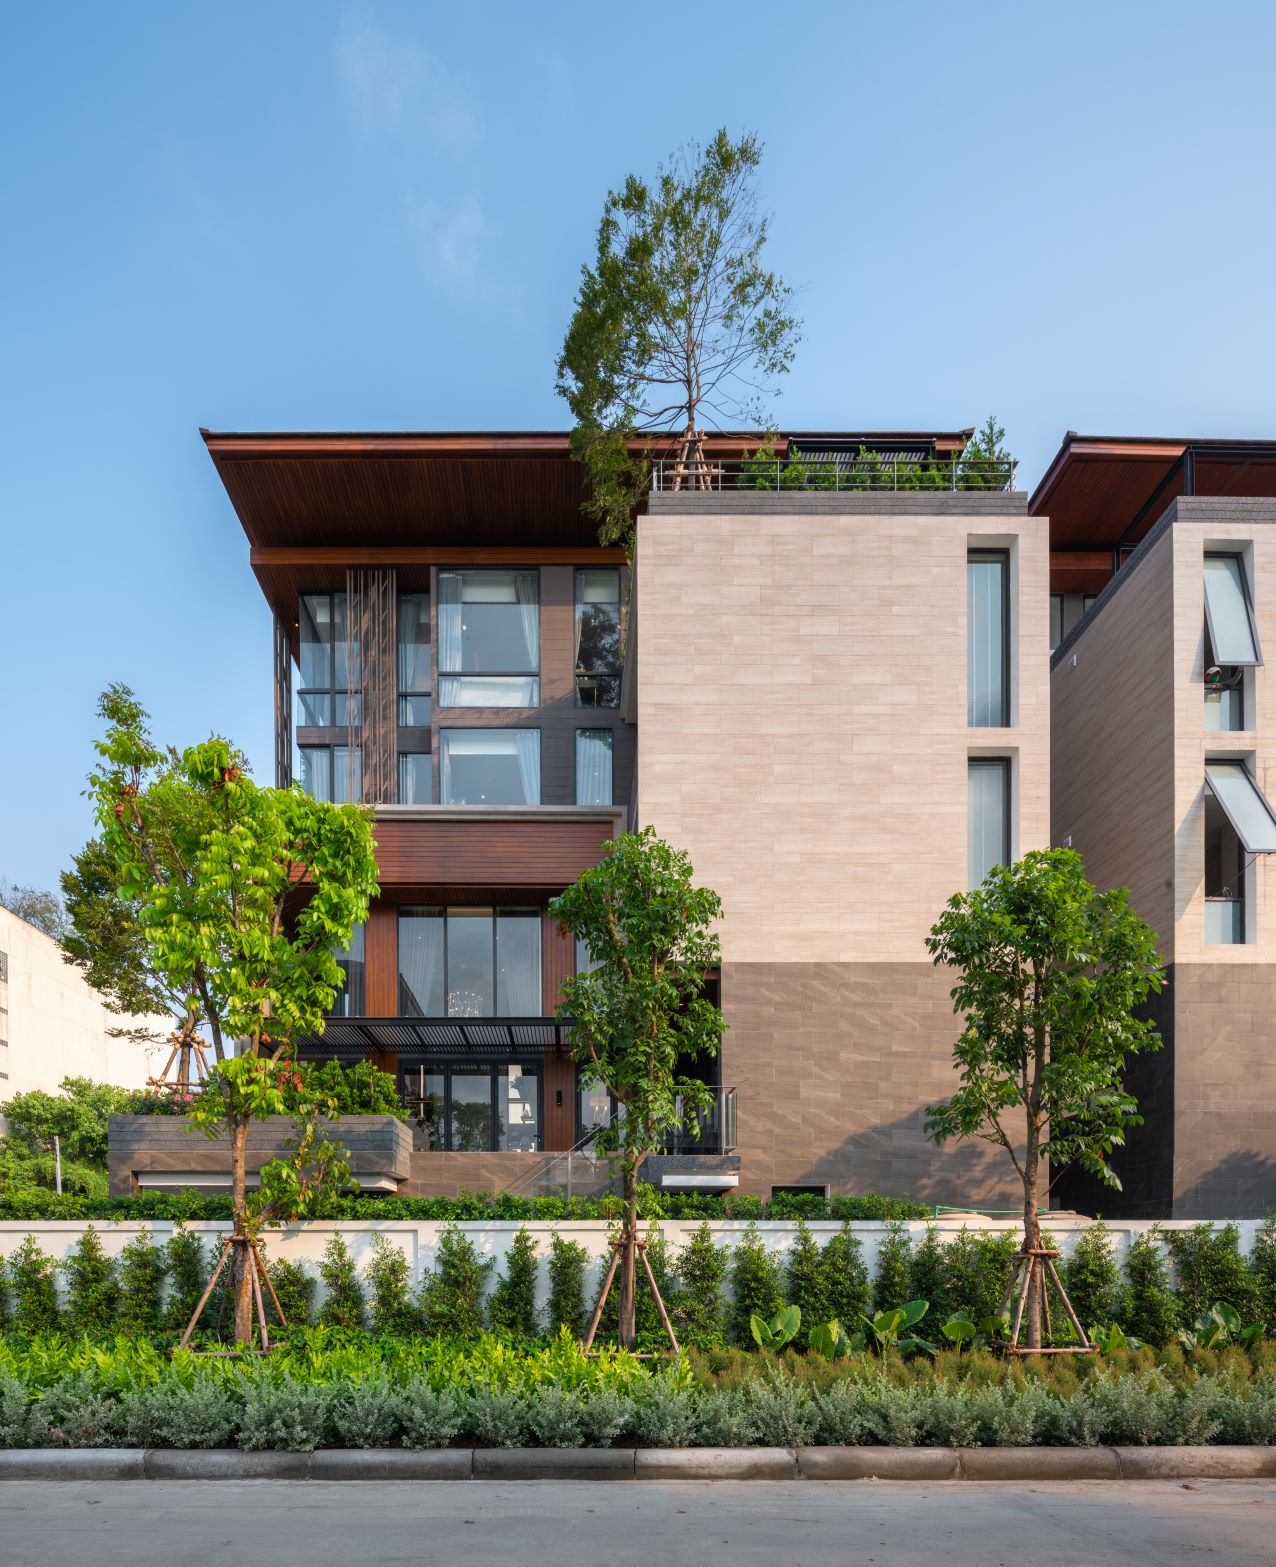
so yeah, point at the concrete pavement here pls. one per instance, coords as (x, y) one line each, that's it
(670, 1524)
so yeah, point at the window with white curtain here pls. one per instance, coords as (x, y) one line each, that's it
(324, 695)
(988, 639)
(331, 772)
(414, 778)
(351, 999)
(489, 638)
(593, 767)
(490, 766)
(988, 815)
(469, 962)
(414, 659)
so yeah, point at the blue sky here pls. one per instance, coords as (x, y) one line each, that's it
(325, 216)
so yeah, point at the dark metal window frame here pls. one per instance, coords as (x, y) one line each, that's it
(331, 691)
(1002, 763)
(1002, 556)
(578, 670)
(495, 910)
(496, 729)
(447, 1069)
(428, 690)
(1239, 557)
(490, 674)
(596, 729)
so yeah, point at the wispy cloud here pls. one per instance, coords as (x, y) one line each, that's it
(449, 240)
(393, 86)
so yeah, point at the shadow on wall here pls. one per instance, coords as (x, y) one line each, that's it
(899, 1160)
(1240, 1186)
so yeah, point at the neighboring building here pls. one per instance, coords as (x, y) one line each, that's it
(836, 702)
(54, 1025)
(1164, 746)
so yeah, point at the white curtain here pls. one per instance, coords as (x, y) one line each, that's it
(414, 672)
(518, 965)
(488, 690)
(449, 620)
(527, 592)
(528, 744)
(593, 767)
(421, 985)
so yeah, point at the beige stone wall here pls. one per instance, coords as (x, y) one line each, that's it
(802, 707)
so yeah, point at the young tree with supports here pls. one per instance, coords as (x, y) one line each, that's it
(243, 895)
(1052, 973)
(677, 323)
(640, 1011)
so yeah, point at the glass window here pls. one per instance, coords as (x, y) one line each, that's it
(331, 772)
(1244, 805)
(1056, 620)
(593, 767)
(414, 778)
(489, 691)
(469, 1109)
(1224, 878)
(987, 639)
(414, 659)
(517, 1109)
(490, 766)
(1224, 692)
(1228, 612)
(489, 623)
(324, 695)
(584, 958)
(351, 999)
(595, 1108)
(988, 806)
(599, 658)
(469, 962)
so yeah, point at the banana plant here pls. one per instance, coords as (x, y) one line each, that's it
(831, 1339)
(1218, 1326)
(887, 1329)
(1112, 1339)
(779, 1332)
(959, 1329)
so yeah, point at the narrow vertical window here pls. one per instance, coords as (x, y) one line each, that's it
(1056, 620)
(351, 999)
(593, 767)
(599, 660)
(414, 659)
(988, 815)
(988, 639)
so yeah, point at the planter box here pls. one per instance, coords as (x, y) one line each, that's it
(167, 1153)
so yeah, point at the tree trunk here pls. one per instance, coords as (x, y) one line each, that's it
(629, 1257)
(242, 1284)
(1032, 1237)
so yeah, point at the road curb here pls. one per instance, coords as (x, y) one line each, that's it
(646, 1463)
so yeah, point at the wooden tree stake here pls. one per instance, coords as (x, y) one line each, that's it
(617, 1248)
(1038, 1264)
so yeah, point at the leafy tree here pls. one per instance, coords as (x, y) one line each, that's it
(640, 1011)
(893, 1280)
(805, 1280)
(186, 1264)
(677, 321)
(1051, 974)
(452, 1293)
(76, 1115)
(388, 1273)
(568, 1261)
(1262, 1266)
(930, 1276)
(294, 1286)
(33, 1296)
(513, 1304)
(757, 1284)
(1093, 1279)
(846, 1288)
(93, 1290)
(141, 1281)
(42, 909)
(243, 894)
(344, 1305)
(986, 463)
(1152, 1311)
(1208, 1266)
(702, 1269)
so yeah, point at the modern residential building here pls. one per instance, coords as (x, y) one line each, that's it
(1163, 582)
(827, 682)
(53, 1024)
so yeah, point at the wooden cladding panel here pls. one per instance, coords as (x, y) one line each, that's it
(381, 955)
(518, 853)
(558, 1121)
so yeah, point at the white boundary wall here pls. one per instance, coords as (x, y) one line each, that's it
(418, 1239)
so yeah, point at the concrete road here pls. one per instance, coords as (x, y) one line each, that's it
(259, 1523)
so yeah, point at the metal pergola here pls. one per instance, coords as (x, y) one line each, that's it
(436, 1038)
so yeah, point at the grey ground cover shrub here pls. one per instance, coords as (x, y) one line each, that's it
(367, 1412)
(665, 1415)
(496, 1417)
(607, 1415)
(556, 1417)
(76, 1412)
(17, 1428)
(204, 1413)
(429, 1417)
(285, 1414)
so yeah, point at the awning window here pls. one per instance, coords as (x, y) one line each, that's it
(1244, 805)
(1228, 613)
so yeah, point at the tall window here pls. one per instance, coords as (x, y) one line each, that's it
(414, 659)
(331, 772)
(599, 659)
(988, 815)
(1056, 620)
(489, 638)
(593, 767)
(474, 1109)
(414, 778)
(469, 962)
(490, 766)
(324, 694)
(351, 999)
(988, 639)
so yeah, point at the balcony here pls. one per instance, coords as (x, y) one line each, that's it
(714, 1131)
(1224, 921)
(899, 472)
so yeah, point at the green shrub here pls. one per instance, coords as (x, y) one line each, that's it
(1092, 1278)
(141, 1285)
(646, 1316)
(205, 1413)
(496, 1417)
(756, 1284)
(846, 1286)
(556, 1417)
(1208, 1266)
(1151, 1312)
(665, 1415)
(805, 1282)
(893, 1281)
(76, 1412)
(452, 1293)
(388, 1274)
(33, 1294)
(4, 1295)
(513, 1303)
(359, 1088)
(17, 1426)
(980, 1264)
(429, 1417)
(344, 1305)
(930, 1277)
(608, 1413)
(1262, 1267)
(187, 1267)
(284, 1414)
(366, 1413)
(568, 1261)
(702, 1269)
(294, 1287)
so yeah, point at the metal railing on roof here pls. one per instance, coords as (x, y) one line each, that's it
(835, 471)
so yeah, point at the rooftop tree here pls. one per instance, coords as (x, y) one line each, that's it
(639, 1014)
(1052, 974)
(678, 322)
(243, 894)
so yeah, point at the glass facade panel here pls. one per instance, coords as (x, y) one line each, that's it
(518, 963)
(1224, 878)
(593, 767)
(1227, 611)
(489, 622)
(593, 1108)
(470, 1111)
(414, 778)
(471, 963)
(489, 691)
(351, 999)
(987, 639)
(584, 959)
(466, 1109)
(464, 962)
(414, 642)
(490, 766)
(518, 1127)
(422, 983)
(424, 1095)
(331, 772)
(599, 656)
(1244, 805)
(324, 697)
(988, 806)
